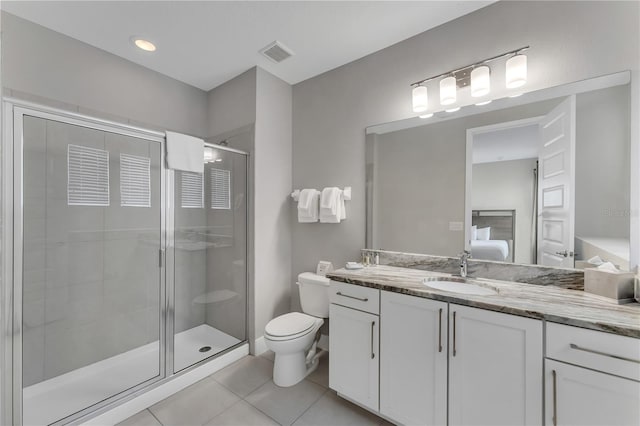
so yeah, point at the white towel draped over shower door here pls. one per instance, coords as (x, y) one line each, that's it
(185, 152)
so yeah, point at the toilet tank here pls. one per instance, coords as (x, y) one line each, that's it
(314, 294)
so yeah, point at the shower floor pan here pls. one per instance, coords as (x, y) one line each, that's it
(54, 399)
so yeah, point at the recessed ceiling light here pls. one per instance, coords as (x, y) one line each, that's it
(143, 44)
(453, 109)
(516, 95)
(426, 115)
(484, 103)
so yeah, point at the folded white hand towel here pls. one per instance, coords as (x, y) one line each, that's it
(304, 199)
(310, 199)
(331, 205)
(330, 198)
(185, 152)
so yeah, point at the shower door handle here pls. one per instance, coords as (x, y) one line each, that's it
(160, 258)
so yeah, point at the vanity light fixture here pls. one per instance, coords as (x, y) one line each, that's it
(420, 98)
(476, 75)
(516, 72)
(143, 44)
(426, 115)
(480, 81)
(448, 90)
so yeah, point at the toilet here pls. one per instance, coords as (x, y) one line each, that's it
(293, 337)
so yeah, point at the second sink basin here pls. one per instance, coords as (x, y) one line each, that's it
(459, 285)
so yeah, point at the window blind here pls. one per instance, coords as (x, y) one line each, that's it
(192, 195)
(135, 181)
(87, 176)
(220, 189)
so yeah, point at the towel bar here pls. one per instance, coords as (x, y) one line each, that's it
(346, 192)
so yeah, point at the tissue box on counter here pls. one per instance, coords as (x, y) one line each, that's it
(617, 286)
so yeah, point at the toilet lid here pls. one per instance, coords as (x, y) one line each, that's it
(289, 324)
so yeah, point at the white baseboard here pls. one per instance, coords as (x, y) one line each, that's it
(147, 399)
(260, 346)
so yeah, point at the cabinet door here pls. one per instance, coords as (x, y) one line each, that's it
(353, 355)
(495, 368)
(413, 359)
(578, 396)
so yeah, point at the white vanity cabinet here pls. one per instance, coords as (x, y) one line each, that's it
(606, 392)
(495, 368)
(413, 359)
(354, 326)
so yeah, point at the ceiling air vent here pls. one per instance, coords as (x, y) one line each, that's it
(277, 52)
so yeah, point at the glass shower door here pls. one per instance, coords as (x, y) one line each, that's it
(210, 257)
(91, 279)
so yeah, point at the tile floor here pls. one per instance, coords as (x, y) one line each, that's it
(243, 394)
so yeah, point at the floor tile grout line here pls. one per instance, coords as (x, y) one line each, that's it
(225, 410)
(257, 408)
(153, 415)
(309, 407)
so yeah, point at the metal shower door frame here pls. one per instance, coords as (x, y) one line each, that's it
(12, 246)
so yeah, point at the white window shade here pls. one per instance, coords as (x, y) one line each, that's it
(87, 176)
(135, 181)
(192, 190)
(220, 189)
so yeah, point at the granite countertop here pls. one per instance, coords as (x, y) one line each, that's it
(554, 304)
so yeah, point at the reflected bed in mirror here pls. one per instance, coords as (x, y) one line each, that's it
(540, 179)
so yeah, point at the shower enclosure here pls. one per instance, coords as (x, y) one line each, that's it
(118, 273)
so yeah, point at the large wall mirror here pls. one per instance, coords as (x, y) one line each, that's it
(544, 178)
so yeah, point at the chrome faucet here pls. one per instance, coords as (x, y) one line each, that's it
(464, 256)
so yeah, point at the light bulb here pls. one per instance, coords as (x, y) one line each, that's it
(143, 44)
(420, 98)
(480, 81)
(516, 73)
(448, 90)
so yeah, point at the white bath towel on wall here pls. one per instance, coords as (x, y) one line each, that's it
(332, 209)
(308, 210)
(185, 153)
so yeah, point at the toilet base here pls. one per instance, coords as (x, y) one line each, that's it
(290, 369)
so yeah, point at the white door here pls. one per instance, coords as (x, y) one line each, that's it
(579, 396)
(495, 368)
(556, 183)
(413, 359)
(354, 355)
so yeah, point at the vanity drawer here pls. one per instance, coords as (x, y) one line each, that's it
(606, 352)
(354, 296)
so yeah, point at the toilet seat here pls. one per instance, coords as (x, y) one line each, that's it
(290, 326)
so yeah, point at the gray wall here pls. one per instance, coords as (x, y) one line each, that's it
(45, 66)
(232, 105)
(507, 185)
(602, 163)
(258, 99)
(272, 215)
(331, 111)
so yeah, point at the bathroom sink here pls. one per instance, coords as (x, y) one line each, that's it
(459, 285)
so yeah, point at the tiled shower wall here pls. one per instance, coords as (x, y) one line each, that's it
(91, 276)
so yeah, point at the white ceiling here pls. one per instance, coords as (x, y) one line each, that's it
(206, 43)
(516, 143)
